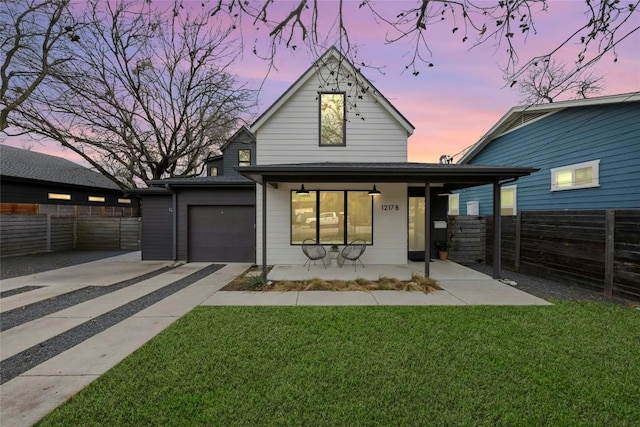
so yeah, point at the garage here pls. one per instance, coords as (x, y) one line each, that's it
(221, 233)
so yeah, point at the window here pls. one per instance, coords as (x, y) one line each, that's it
(96, 199)
(244, 157)
(454, 204)
(331, 217)
(213, 171)
(332, 119)
(125, 201)
(58, 196)
(508, 200)
(579, 175)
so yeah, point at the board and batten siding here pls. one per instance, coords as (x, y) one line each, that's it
(230, 158)
(291, 135)
(389, 226)
(609, 133)
(157, 228)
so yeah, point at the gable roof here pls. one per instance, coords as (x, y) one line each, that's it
(25, 165)
(520, 116)
(331, 54)
(237, 135)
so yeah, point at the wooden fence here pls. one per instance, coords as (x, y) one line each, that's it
(468, 238)
(598, 249)
(27, 234)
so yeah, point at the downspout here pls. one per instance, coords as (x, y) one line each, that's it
(174, 222)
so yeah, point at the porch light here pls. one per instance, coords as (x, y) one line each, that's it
(375, 191)
(302, 190)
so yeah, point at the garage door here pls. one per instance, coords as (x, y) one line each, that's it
(222, 233)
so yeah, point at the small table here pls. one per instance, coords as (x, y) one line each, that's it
(333, 259)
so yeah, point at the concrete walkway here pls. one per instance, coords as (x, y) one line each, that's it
(30, 396)
(460, 286)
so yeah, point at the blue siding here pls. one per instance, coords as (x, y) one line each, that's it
(610, 133)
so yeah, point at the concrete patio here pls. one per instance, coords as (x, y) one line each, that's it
(460, 286)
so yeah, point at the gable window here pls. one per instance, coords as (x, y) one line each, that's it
(332, 119)
(331, 217)
(213, 171)
(573, 177)
(244, 157)
(508, 200)
(454, 204)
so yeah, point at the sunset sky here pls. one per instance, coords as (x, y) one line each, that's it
(451, 104)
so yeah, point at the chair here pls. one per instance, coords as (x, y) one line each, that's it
(353, 251)
(313, 251)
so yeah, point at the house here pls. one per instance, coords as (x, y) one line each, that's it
(203, 218)
(333, 144)
(587, 152)
(35, 183)
(327, 161)
(577, 218)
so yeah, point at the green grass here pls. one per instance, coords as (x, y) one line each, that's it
(572, 364)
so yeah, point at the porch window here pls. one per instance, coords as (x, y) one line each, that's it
(332, 119)
(332, 217)
(454, 204)
(508, 200)
(573, 177)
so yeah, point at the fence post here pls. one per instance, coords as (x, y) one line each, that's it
(517, 241)
(609, 251)
(48, 232)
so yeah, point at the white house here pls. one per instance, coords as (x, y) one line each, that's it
(335, 135)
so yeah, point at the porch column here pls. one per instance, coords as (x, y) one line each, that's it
(497, 232)
(264, 230)
(427, 228)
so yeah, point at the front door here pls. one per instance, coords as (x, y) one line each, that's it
(416, 228)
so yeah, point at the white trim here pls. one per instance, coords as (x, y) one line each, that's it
(595, 175)
(497, 129)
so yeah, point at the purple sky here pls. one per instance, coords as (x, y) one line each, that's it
(451, 104)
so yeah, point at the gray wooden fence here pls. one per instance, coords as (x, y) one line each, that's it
(598, 249)
(468, 238)
(26, 234)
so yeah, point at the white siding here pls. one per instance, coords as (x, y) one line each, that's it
(291, 134)
(389, 227)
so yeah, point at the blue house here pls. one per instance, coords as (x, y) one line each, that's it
(588, 153)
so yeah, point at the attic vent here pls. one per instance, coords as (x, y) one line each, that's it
(524, 118)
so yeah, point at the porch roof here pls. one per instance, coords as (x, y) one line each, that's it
(452, 175)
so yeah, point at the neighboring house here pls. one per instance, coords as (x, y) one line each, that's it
(335, 136)
(210, 218)
(588, 153)
(36, 183)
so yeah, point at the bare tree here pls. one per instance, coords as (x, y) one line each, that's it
(35, 38)
(548, 81)
(502, 23)
(147, 96)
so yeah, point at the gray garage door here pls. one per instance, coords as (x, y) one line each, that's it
(222, 233)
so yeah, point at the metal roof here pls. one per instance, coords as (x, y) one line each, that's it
(25, 165)
(452, 175)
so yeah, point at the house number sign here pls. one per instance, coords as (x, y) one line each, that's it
(390, 207)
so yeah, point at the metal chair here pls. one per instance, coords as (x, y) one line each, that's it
(314, 251)
(353, 251)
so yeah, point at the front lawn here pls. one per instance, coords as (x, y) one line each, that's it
(569, 364)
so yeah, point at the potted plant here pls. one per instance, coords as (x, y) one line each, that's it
(443, 248)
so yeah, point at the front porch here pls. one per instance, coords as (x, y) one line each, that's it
(438, 270)
(460, 286)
